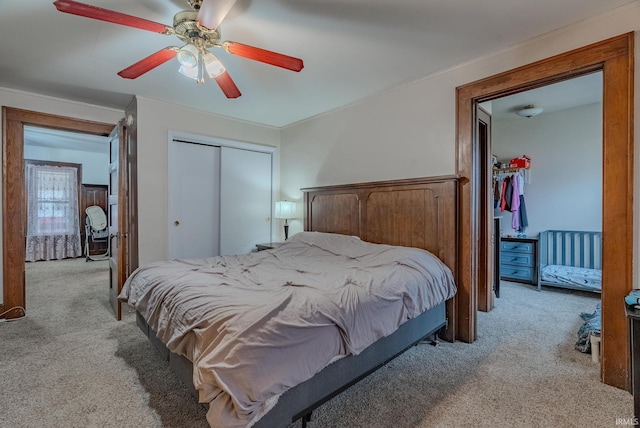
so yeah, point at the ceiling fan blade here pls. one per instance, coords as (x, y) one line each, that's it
(227, 85)
(149, 63)
(263, 55)
(89, 11)
(212, 12)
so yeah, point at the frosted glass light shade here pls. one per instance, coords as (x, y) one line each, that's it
(191, 72)
(529, 111)
(213, 65)
(188, 56)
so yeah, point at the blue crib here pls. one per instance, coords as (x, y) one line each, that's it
(570, 259)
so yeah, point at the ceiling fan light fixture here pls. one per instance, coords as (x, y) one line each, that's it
(190, 72)
(188, 56)
(529, 111)
(213, 65)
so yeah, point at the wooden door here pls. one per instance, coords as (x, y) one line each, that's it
(117, 215)
(485, 258)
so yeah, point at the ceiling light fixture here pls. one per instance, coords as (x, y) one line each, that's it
(204, 61)
(529, 111)
(188, 56)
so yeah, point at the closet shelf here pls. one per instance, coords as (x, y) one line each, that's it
(508, 169)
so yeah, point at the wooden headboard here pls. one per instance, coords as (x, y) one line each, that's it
(418, 212)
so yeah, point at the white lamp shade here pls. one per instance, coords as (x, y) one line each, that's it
(285, 209)
(191, 72)
(188, 56)
(213, 65)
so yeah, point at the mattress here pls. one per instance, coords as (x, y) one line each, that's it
(571, 275)
(256, 325)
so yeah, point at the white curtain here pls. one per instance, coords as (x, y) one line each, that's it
(53, 230)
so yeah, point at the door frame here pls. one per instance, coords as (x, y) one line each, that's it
(13, 200)
(615, 58)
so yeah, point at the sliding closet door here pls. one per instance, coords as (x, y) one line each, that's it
(194, 196)
(245, 200)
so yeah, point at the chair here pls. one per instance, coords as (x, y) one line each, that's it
(96, 230)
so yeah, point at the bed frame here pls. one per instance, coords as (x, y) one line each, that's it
(569, 248)
(416, 212)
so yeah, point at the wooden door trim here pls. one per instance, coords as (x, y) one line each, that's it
(13, 202)
(615, 58)
(485, 257)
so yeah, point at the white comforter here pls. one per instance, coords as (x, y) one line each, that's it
(258, 324)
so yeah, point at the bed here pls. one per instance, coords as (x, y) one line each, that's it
(314, 326)
(570, 259)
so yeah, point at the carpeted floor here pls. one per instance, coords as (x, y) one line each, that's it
(70, 364)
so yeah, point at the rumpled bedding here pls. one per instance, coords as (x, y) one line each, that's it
(592, 325)
(256, 325)
(584, 277)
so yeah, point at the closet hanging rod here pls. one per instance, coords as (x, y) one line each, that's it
(514, 169)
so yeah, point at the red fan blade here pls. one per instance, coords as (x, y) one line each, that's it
(149, 63)
(212, 12)
(262, 55)
(227, 85)
(88, 11)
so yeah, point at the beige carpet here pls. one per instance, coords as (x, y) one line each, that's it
(70, 364)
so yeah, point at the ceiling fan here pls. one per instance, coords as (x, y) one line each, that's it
(199, 30)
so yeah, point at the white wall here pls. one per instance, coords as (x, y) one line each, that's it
(410, 131)
(155, 120)
(60, 107)
(95, 166)
(565, 189)
(405, 132)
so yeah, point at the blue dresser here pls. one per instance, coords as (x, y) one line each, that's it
(519, 260)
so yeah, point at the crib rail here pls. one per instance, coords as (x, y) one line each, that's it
(570, 248)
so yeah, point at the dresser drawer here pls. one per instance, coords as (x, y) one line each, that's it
(520, 259)
(516, 272)
(520, 247)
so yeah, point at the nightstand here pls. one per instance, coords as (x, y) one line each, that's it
(519, 259)
(268, 246)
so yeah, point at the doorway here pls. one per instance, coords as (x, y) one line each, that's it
(59, 237)
(13, 218)
(614, 57)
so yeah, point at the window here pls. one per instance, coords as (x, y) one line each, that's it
(56, 193)
(53, 230)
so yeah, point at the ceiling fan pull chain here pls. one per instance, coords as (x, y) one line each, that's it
(200, 67)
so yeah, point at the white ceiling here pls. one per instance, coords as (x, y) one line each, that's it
(570, 93)
(56, 139)
(351, 49)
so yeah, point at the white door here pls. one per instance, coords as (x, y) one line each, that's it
(194, 199)
(245, 200)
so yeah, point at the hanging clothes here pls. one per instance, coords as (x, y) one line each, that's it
(522, 212)
(497, 187)
(515, 204)
(507, 194)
